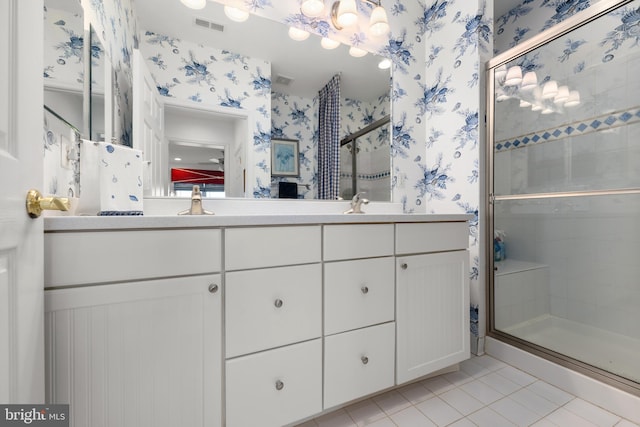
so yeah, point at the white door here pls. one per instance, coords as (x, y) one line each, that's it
(148, 129)
(21, 238)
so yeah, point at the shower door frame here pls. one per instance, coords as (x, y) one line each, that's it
(579, 19)
(352, 138)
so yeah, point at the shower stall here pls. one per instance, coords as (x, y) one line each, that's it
(365, 162)
(563, 202)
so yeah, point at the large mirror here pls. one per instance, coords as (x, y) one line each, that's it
(202, 56)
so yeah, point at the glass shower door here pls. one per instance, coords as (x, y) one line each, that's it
(566, 197)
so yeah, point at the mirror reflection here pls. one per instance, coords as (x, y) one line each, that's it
(203, 59)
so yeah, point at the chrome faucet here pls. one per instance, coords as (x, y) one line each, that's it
(356, 204)
(196, 204)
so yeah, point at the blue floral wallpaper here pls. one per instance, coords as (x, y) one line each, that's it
(531, 17)
(192, 72)
(116, 27)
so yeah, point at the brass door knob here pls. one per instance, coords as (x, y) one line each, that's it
(36, 203)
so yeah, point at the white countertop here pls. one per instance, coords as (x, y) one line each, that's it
(236, 212)
(77, 223)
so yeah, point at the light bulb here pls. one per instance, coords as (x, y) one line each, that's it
(235, 14)
(529, 81)
(384, 64)
(298, 34)
(550, 89)
(329, 44)
(312, 8)
(357, 52)
(194, 4)
(378, 23)
(562, 95)
(514, 76)
(573, 100)
(347, 13)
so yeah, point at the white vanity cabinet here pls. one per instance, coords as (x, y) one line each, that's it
(249, 321)
(432, 297)
(273, 324)
(125, 352)
(359, 328)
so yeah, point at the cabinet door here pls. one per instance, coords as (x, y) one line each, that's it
(432, 312)
(137, 354)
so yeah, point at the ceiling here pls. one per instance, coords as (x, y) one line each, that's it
(306, 63)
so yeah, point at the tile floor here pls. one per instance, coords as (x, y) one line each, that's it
(484, 392)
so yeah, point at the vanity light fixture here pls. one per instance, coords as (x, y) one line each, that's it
(529, 81)
(194, 4)
(514, 76)
(344, 14)
(329, 44)
(177, 159)
(356, 52)
(298, 34)
(385, 64)
(312, 8)
(235, 14)
(550, 89)
(573, 100)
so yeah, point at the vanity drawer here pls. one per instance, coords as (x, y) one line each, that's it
(256, 247)
(358, 363)
(431, 237)
(85, 257)
(358, 293)
(275, 387)
(272, 307)
(357, 241)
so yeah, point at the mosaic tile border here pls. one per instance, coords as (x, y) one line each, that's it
(368, 176)
(597, 124)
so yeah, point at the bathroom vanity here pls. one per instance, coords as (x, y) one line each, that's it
(248, 320)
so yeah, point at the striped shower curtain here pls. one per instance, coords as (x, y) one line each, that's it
(329, 140)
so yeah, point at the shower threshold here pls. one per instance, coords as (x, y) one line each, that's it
(603, 349)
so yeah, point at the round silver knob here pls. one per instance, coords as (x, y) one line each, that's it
(279, 385)
(278, 303)
(213, 288)
(404, 266)
(365, 289)
(365, 360)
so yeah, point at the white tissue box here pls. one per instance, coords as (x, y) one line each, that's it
(110, 179)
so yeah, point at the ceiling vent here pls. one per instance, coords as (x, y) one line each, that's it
(208, 24)
(283, 80)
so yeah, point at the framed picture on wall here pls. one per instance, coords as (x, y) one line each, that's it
(285, 159)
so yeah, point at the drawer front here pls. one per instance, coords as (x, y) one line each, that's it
(357, 241)
(358, 293)
(257, 247)
(431, 237)
(358, 363)
(272, 307)
(79, 258)
(275, 387)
